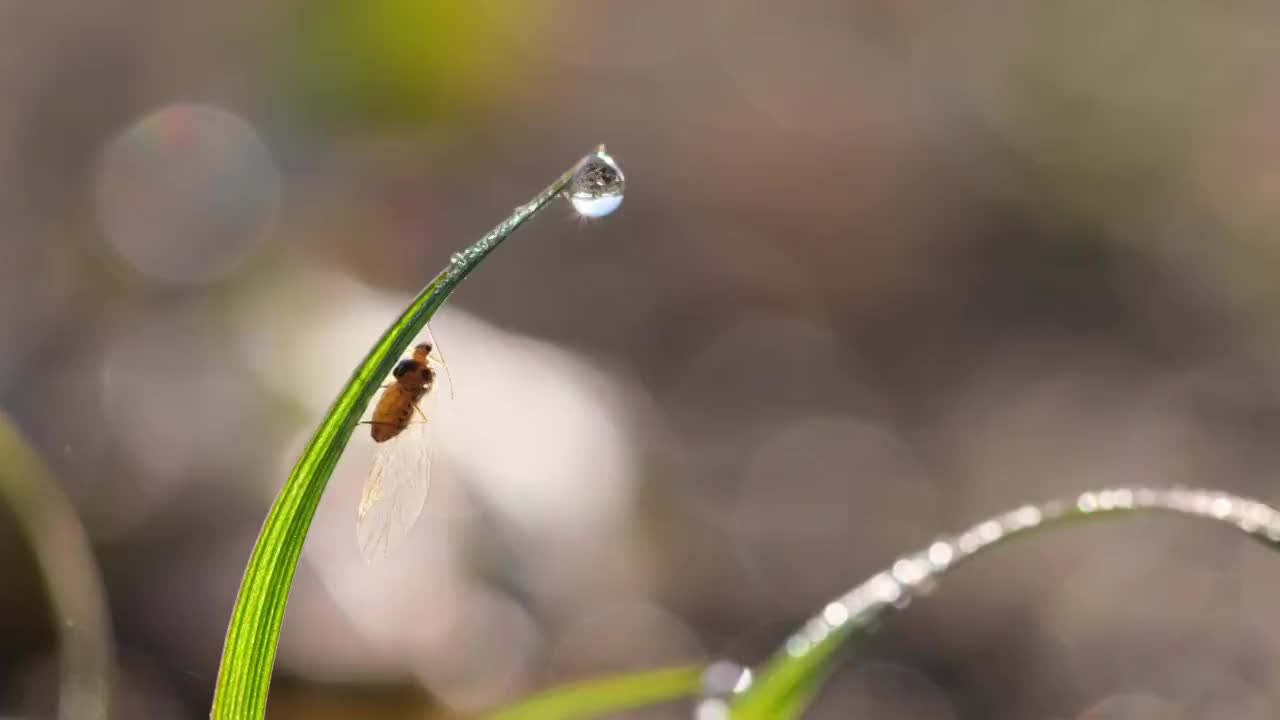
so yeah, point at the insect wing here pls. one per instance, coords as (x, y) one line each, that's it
(438, 362)
(396, 490)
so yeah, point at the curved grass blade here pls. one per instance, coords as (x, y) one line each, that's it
(74, 585)
(793, 705)
(611, 694)
(787, 681)
(254, 631)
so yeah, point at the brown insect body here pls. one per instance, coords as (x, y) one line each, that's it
(399, 401)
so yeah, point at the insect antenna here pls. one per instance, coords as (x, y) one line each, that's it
(435, 347)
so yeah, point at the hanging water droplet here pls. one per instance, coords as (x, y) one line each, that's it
(597, 185)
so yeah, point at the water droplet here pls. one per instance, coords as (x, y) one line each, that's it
(941, 554)
(723, 679)
(836, 614)
(797, 646)
(597, 185)
(885, 588)
(711, 709)
(1087, 503)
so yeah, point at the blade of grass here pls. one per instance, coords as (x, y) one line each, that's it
(74, 585)
(254, 630)
(610, 694)
(789, 680)
(793, 705)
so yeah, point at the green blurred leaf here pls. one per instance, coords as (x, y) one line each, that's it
(47, 519)
(611, 694)
(397, 62)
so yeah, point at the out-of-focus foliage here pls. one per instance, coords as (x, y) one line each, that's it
(72, 581)
(602, 696)
(399, 63)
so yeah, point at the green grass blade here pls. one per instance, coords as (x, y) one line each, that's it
(254, 631)
(65, 557)
(793, 705)
(615, 693)
(790, 679)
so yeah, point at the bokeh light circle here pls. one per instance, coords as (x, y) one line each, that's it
(186, 193)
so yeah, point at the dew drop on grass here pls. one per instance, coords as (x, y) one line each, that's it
(597, 185)
(721, 681)
(725, 679)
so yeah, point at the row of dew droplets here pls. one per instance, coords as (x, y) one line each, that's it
(595, 190)
(916, 574)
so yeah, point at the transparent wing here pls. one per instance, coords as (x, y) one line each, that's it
(396, 491)
(438, 362)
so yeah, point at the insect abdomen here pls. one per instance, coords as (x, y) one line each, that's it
(393, 413)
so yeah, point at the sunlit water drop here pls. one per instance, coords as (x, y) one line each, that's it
(721, 681)
(597, 185)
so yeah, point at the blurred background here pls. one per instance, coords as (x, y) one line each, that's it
(883, 269)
